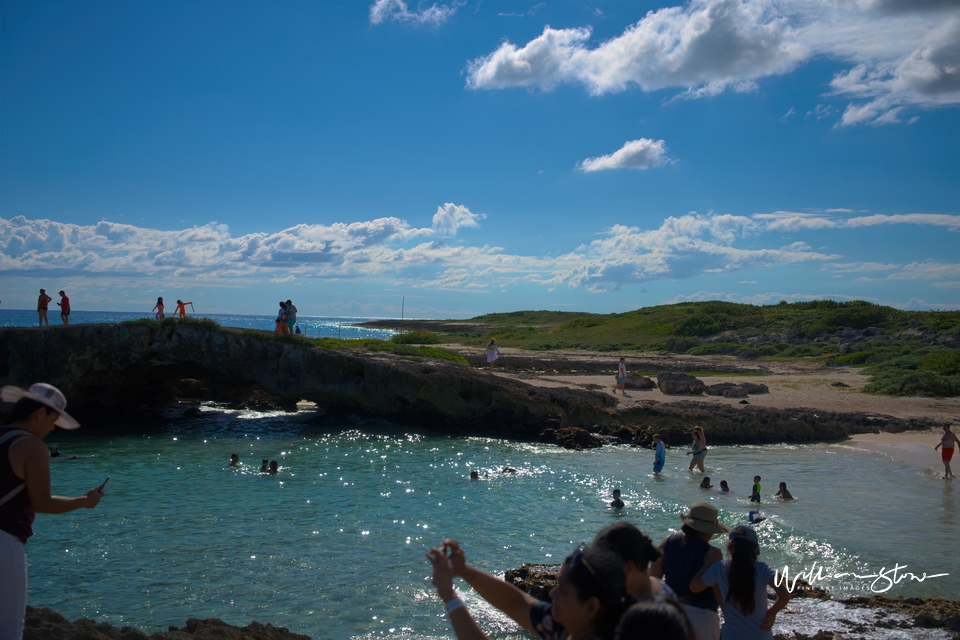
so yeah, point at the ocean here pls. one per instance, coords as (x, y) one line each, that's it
(333, 546)
(311, 326)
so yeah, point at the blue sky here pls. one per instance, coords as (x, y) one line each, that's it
(479, 156)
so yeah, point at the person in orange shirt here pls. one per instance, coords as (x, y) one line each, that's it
(182, 308)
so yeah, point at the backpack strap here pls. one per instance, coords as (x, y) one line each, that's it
(4, 438)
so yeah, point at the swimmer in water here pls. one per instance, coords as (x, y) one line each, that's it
(755, 494)
(617, 503)
(705, 483)
(723, 487)
(265, 466)
(234, 460)
(274, 468)
(474, 475)
(509, 470)
(783, 494)
(949, 442)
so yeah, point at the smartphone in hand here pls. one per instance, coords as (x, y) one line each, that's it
(100, 488)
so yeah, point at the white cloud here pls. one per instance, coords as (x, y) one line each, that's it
(398, 11)
(899, 58)
(635, 154)
(859, 267)
(927, 271)
(936, 219)
(746, 282)
(392, 251)
(789, 113)
(953, 284)
(796, 221)
(451, 217)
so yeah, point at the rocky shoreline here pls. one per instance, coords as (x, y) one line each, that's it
(45, 624)
(129, 372)
(888, 613)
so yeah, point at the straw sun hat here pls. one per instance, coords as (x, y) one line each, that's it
(45, 394)
(704, 518)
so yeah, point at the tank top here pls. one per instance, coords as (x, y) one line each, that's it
(682, 561)
(17, 513)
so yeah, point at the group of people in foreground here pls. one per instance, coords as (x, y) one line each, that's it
(622, 587)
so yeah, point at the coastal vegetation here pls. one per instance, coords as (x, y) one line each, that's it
(904, 352)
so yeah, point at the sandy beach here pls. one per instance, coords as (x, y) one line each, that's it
(792, 384)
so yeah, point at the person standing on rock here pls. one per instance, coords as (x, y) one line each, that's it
(621, 377)
(493, 352)
(64, 305)
(25, 489)
(159, 309)
(42, 303)
(949, 442)
(291, 316)
(181, 309)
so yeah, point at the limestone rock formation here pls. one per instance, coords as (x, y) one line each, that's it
(680, 383)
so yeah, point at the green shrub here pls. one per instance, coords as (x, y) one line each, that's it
(908, 383)
(416, 337)
(698, 325)
(858, 357)
(944, 363)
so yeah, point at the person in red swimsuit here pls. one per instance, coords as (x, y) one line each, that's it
(949, 443)
(25, 488)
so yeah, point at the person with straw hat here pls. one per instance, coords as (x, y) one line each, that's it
(25, 488)
(684, 555)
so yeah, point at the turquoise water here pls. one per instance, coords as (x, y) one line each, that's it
(333, 546)
(312, 326)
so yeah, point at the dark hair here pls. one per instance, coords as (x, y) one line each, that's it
(160, 299)
(660, 619)
(599, 574)
(289, 301)
(22, 411)
(690, 532)
(743, 555)
(629, 543)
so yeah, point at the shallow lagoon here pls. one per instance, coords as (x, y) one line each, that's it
(333, 546)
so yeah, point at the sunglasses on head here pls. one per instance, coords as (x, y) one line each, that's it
(578, 559)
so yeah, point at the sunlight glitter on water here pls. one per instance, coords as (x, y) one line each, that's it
(338, 536)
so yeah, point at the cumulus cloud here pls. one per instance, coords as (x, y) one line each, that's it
(392, 250)
(635, 154)
(451, 217)
(901, 53)
(398, 11)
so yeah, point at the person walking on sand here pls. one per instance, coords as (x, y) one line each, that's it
(64, 305)
(698, 449)
(621, 377)
(42, 303)
(948, 442)
(493, 352)
(181, 309)
(25, 489)
(159, 309)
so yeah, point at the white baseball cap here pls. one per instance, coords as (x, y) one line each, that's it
(45, 394)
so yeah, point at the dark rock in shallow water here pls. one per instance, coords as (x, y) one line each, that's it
(44, 624)
(571, 438)
(680, 383)
(535, 579)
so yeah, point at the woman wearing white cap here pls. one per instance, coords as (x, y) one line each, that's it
(25, 489)
(740, 584)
